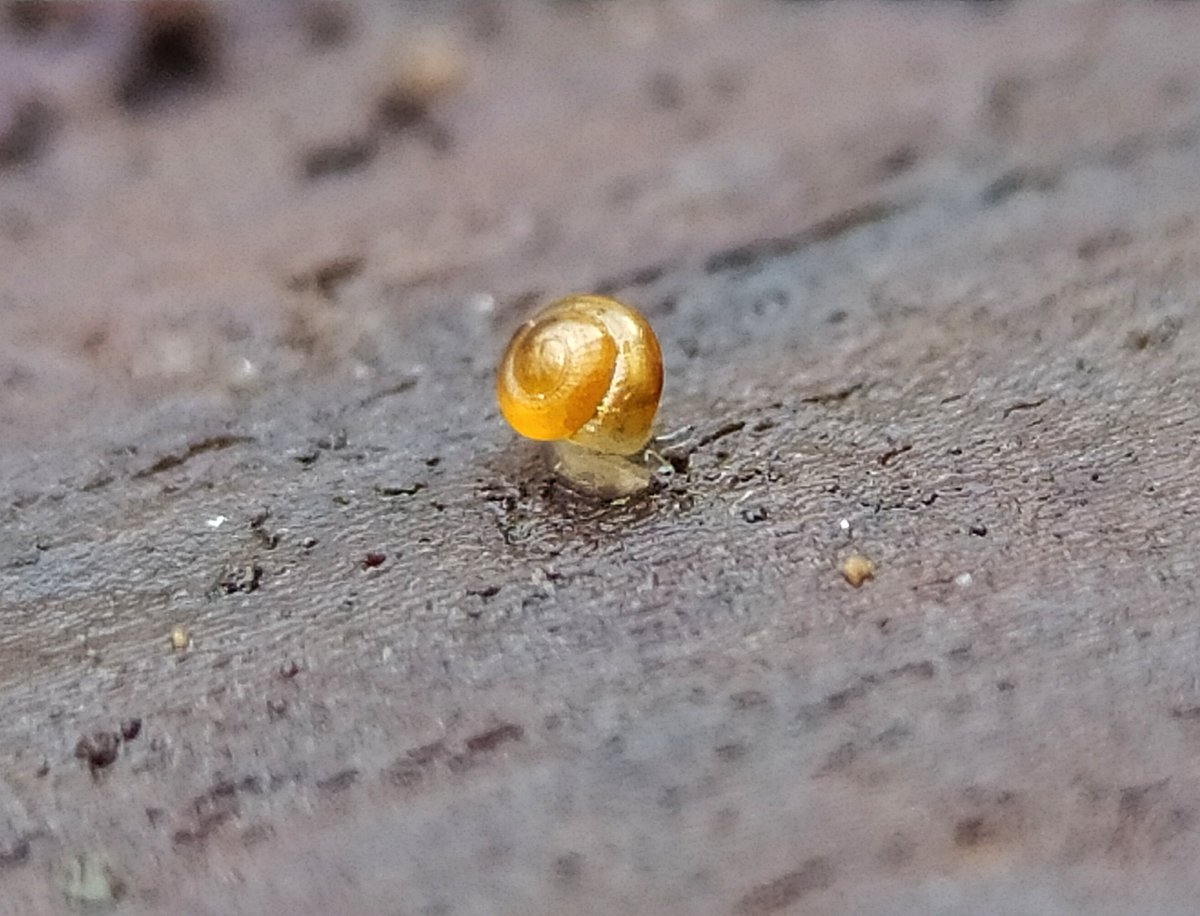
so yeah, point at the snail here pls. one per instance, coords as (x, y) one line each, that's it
(586, 371)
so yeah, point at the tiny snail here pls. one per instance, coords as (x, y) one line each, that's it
(588, 370)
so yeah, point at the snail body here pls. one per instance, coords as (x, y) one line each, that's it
(588, 370)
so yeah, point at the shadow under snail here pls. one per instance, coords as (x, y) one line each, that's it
(585, 373)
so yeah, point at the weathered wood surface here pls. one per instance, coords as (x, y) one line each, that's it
(926, 279)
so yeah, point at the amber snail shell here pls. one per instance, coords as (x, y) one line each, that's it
(587, 369)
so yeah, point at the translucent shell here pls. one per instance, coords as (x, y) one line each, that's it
(587, 369)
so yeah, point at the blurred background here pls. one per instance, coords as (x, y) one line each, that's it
(212, 197)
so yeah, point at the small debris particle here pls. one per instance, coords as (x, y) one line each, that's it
(276, 709)
(844, 524)
(131, 728)
(754, 514)
(99, 750)
(181, 639)
(373, 560)
(979, 530)
(258, 524)
(216, 521)
(289, 669)
(963, 580)
(242, 579)
(857, 569)
(309, 543)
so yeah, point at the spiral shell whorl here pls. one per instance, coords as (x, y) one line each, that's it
(588, 369)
